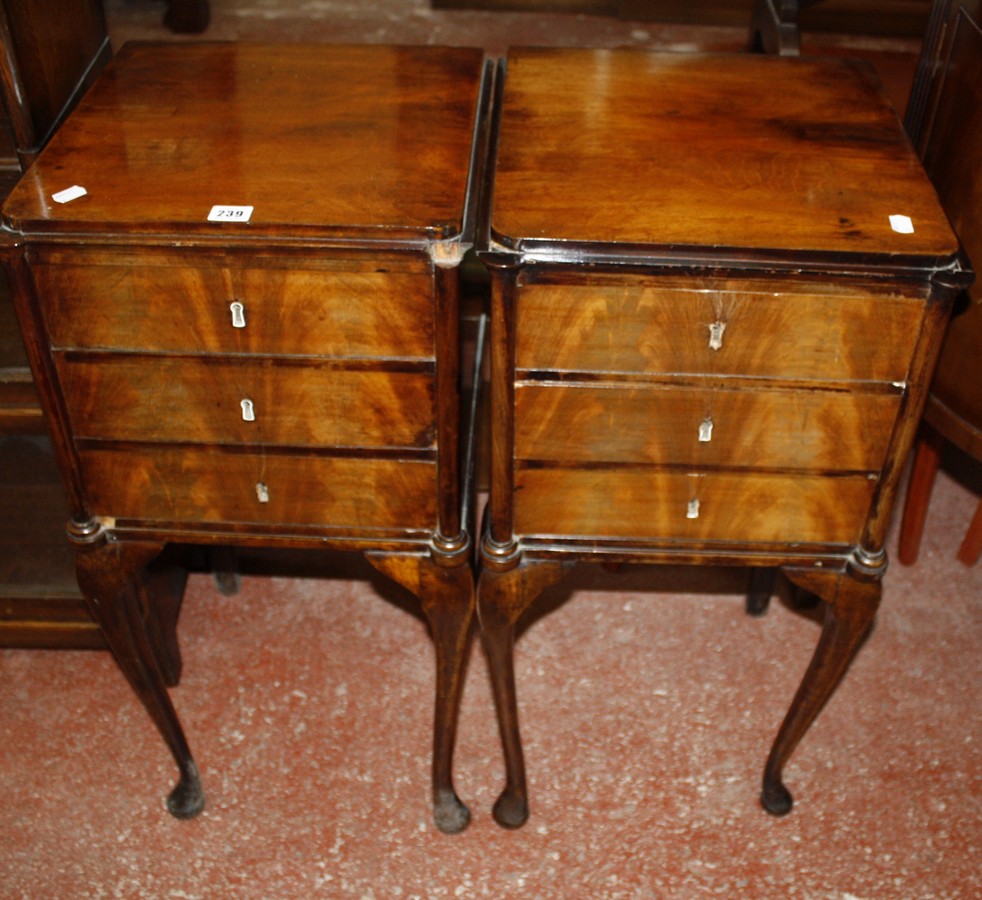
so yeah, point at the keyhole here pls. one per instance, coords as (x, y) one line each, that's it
(248, 411)
(706, 430)
(238, 314)
(716, 330)
(692, 512)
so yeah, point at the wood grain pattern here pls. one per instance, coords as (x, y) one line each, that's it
(349, 310)
(646, 504)
(214, 486)
(785, 330)
(685, 150)
(287, 129)
(805, 430)
(295, 403)
(677, 241)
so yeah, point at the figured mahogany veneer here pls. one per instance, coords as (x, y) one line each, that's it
(709, 343)
(285, 377)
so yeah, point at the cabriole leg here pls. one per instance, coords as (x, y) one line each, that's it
(852, 605)
(113, 579)
(447, 597)
(502, 598)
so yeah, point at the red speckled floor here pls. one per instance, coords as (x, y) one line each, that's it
(648, 700)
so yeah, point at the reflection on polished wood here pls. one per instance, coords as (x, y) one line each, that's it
(710, 343)
(284, 377)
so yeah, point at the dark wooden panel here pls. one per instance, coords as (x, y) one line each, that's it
(952, 157)
(40, 603)
(54, 49)
(906, 18)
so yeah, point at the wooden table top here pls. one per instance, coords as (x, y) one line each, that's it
(668, 150)
(364, 142)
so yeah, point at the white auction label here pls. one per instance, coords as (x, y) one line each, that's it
(902, 224)
(69, 194)
(230, 214)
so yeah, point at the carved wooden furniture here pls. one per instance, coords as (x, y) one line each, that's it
(245, 330)
(50, 51)
(945, 122)
(719, 287)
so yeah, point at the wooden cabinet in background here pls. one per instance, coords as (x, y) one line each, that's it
(50, 51)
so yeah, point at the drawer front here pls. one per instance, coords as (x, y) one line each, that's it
(292, 402)
(311, 312)
(809, 430)
(643, 328)
(635, 503)
(212, 485)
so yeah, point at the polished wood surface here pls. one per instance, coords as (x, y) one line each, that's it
(291, 380)
(708, 343)
(338, 308)
(783, 177)
(704, 425)
(380, 499)
(636, 503)
(945, 119)
(184, 127)
(795, 329)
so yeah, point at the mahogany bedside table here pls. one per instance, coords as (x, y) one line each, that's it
(718, 290)
(246, 330)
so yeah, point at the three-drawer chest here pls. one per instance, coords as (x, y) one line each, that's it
(237, 268)
(718, 290)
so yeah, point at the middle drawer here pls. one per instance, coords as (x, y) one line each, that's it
(813, 430)
(223, 400)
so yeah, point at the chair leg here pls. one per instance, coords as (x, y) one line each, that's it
(971, 547)
(926, 460)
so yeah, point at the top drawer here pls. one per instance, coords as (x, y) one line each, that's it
(616, 326)
(351, 309)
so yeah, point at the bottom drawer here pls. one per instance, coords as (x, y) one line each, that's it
(200, 486)
(633, 502)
